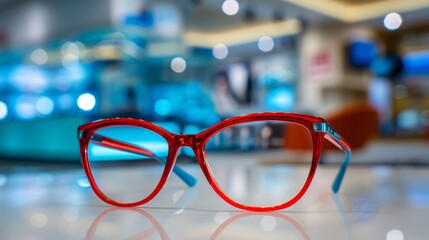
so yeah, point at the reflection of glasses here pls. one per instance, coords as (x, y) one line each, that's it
(181, 199)
(157, 228)
(128, 161)
(142, 235)
(296, 226)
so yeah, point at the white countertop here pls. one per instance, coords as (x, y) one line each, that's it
(373, 203)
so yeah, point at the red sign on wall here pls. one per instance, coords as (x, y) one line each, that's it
(320, 64)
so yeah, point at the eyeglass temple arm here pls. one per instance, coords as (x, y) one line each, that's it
(115, 144)
(335, 138)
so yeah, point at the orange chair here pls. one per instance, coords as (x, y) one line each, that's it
(357, 123)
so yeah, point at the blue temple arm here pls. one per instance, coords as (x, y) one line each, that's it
(335, 138)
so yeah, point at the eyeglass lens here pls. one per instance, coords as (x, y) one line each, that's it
(255, 163)
(127, 162)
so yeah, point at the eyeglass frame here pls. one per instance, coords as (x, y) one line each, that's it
(318, 127)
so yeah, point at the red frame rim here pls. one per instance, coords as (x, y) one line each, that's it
(197, 142)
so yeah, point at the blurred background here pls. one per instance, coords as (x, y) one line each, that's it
(364, 65)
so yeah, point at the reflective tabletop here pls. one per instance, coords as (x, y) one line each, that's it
(374, 202)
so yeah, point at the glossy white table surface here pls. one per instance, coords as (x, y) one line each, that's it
(373, 203)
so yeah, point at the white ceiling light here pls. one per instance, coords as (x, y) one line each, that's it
(392, 21)
(230, 7)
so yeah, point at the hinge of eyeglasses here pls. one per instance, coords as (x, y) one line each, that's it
(325, 127)
(319, 127)
(80, 134)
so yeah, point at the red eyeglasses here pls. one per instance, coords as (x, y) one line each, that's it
(254, 162)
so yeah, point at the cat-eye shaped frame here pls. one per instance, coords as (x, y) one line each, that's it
(317, 127)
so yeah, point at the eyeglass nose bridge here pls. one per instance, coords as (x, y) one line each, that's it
(185, 140)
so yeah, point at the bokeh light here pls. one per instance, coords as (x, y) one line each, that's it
(39, 56)
(408, 119)
(392, 21)
(163, 107)
(178, 64)
(86, 101)
(268, 223)
(83, 182)
(395, 234)
(220, 51)
(266, 44)
(44, 105)
(280, 99)
(24, 107)
(230, 7)
(3, 110)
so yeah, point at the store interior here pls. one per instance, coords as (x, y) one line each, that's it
(191, 64)
(186, 65)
